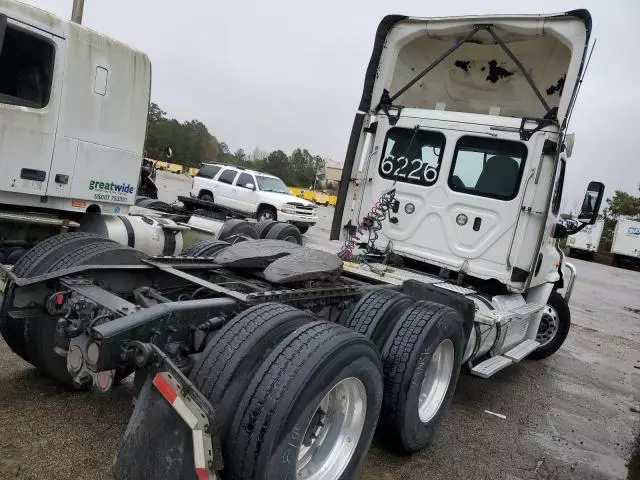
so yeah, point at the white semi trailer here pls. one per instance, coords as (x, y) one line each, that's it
(625, 245)
(586, 241)
(269, 360)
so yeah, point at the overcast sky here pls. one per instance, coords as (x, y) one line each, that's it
(283, 74)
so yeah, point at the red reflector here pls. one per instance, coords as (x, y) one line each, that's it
(165, 389)
(202, 474)
(60, 299)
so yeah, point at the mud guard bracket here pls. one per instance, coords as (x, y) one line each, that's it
(172, 421)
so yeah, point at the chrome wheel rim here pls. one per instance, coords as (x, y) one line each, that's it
(436, 380)
(333, 433)
(549, 324)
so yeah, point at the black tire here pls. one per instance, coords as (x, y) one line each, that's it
(14, 255)
(262, 228)
(153, 204)
(284, 396)
(304, 229)
(405, 358)
(235, 230)
(98, 253)
(35, 341)
(550, 344)
(377, 312)
(205, 248)
(286, 232)
(267, 214)
(206, 196)
(36, 260)
(237, 350)
(47, 251)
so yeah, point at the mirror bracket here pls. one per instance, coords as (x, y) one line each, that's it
(561, 231)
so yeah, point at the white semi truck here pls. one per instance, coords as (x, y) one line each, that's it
(73, 116)
(73, 110)
(269, 360)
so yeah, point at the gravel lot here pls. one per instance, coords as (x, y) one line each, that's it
(572, 416)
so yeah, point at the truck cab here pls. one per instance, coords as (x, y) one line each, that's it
(461, 143)
(73, 108)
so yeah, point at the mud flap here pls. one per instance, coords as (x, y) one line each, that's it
(172, 433)
(157, 442)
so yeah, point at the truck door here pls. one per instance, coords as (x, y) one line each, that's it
(246, 198)
(31, 64)
(458, 193)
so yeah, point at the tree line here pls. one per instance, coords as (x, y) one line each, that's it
(192, 144)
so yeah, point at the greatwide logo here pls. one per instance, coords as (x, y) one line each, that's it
(111, 187)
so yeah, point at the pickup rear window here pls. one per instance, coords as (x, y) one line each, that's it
(26, 69)
(208, 171)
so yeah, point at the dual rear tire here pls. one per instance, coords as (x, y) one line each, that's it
(312, 389)
(421, 346)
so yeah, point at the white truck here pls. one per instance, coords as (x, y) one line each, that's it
(625, 245)
(73, 115)
(269, 360)
(255, 194)
(586, 241)
(73, 109)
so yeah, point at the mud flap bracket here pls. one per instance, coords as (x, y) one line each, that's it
(172, 420)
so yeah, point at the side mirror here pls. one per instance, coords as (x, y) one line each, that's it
(591, 203)
(250, 186)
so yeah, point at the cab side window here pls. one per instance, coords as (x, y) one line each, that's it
(227, 176)
(26, 69)
(244, 179)
(487, 167)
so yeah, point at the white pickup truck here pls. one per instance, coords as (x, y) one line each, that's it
(256, 194)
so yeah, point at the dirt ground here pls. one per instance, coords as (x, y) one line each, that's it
(574, 415)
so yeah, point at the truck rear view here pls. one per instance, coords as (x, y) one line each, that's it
(264, 359)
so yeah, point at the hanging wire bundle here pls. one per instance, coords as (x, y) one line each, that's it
(370, 225)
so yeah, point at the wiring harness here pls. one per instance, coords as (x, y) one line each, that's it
(370, 225)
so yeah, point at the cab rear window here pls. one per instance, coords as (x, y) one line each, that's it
(412, 156)
(487, 167)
